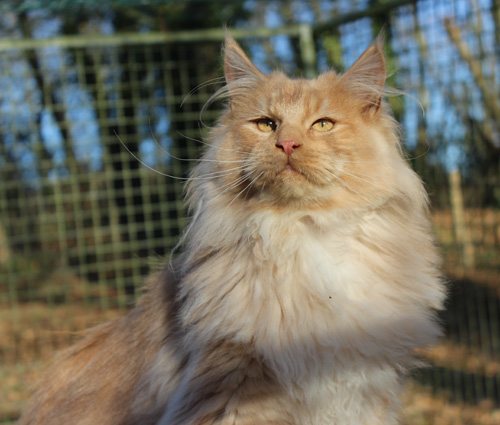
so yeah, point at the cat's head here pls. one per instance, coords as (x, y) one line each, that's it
(284, 142)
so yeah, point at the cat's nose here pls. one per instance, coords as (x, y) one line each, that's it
(288, 146)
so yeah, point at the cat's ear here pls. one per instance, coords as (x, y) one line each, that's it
(366, 78)
(237, 66)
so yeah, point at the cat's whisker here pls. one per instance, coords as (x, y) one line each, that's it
(213, 81)
(233, 184)
(242, 161)
(221, 172)
(366, 179)
(210, 144)
(245, 188)
(262, 188)
(251, 184)
(166, 151)
(409, 158)
(214, 175)
(348, 187)
(146, 165)
(246, 176)
(344, 161)
(219, 161)
(412, 158)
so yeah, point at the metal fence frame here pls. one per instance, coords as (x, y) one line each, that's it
(472, 320)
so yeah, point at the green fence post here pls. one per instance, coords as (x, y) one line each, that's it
(307, 51)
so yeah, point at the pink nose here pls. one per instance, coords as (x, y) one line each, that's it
(288, 146)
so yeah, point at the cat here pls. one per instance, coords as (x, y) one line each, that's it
(307, 276)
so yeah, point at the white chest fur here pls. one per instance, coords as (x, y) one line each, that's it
(334, 308)
(289, 283)
(329, 321)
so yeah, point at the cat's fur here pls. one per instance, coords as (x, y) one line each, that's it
(308, 274)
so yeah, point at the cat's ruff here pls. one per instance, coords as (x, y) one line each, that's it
(307, 277)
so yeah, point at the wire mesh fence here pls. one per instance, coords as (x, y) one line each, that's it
(91, 129)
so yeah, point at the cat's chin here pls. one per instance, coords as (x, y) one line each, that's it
(293, 185)
(291, 176)
(291, 189)
(289, 167)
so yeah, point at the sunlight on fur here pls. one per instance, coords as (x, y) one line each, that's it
(306, 279)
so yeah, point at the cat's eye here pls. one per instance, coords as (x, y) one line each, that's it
(266, 125)
(323, 125)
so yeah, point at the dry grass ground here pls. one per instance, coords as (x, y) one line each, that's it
(422, 407)
(29, 340)
(29, 337)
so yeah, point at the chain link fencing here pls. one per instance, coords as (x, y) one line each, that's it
(92, 128)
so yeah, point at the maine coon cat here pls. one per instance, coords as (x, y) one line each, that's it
(307, 278)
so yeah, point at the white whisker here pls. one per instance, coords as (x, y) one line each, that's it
(233, 184)
(146, 165)
(410, 158)
(246, 187)
(251, 184)
(210, 144)
(367, 179)
(239, 193)
(213, 81)
(214, 175)
(347, 186)
(189, 159)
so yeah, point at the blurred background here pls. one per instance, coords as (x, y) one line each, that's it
(97, 95)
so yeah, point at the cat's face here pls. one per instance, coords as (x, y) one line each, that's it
(311, 143)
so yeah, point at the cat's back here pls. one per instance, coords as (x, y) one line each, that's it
(100, 379)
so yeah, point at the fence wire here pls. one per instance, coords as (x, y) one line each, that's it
(91, 128)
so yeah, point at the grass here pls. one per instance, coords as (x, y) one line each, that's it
(30, 335)
(423, 407)
(29, 340)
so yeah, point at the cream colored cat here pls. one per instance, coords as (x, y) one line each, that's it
(308, 274)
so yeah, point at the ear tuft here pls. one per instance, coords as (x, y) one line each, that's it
(237, 66)
(366, 77)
